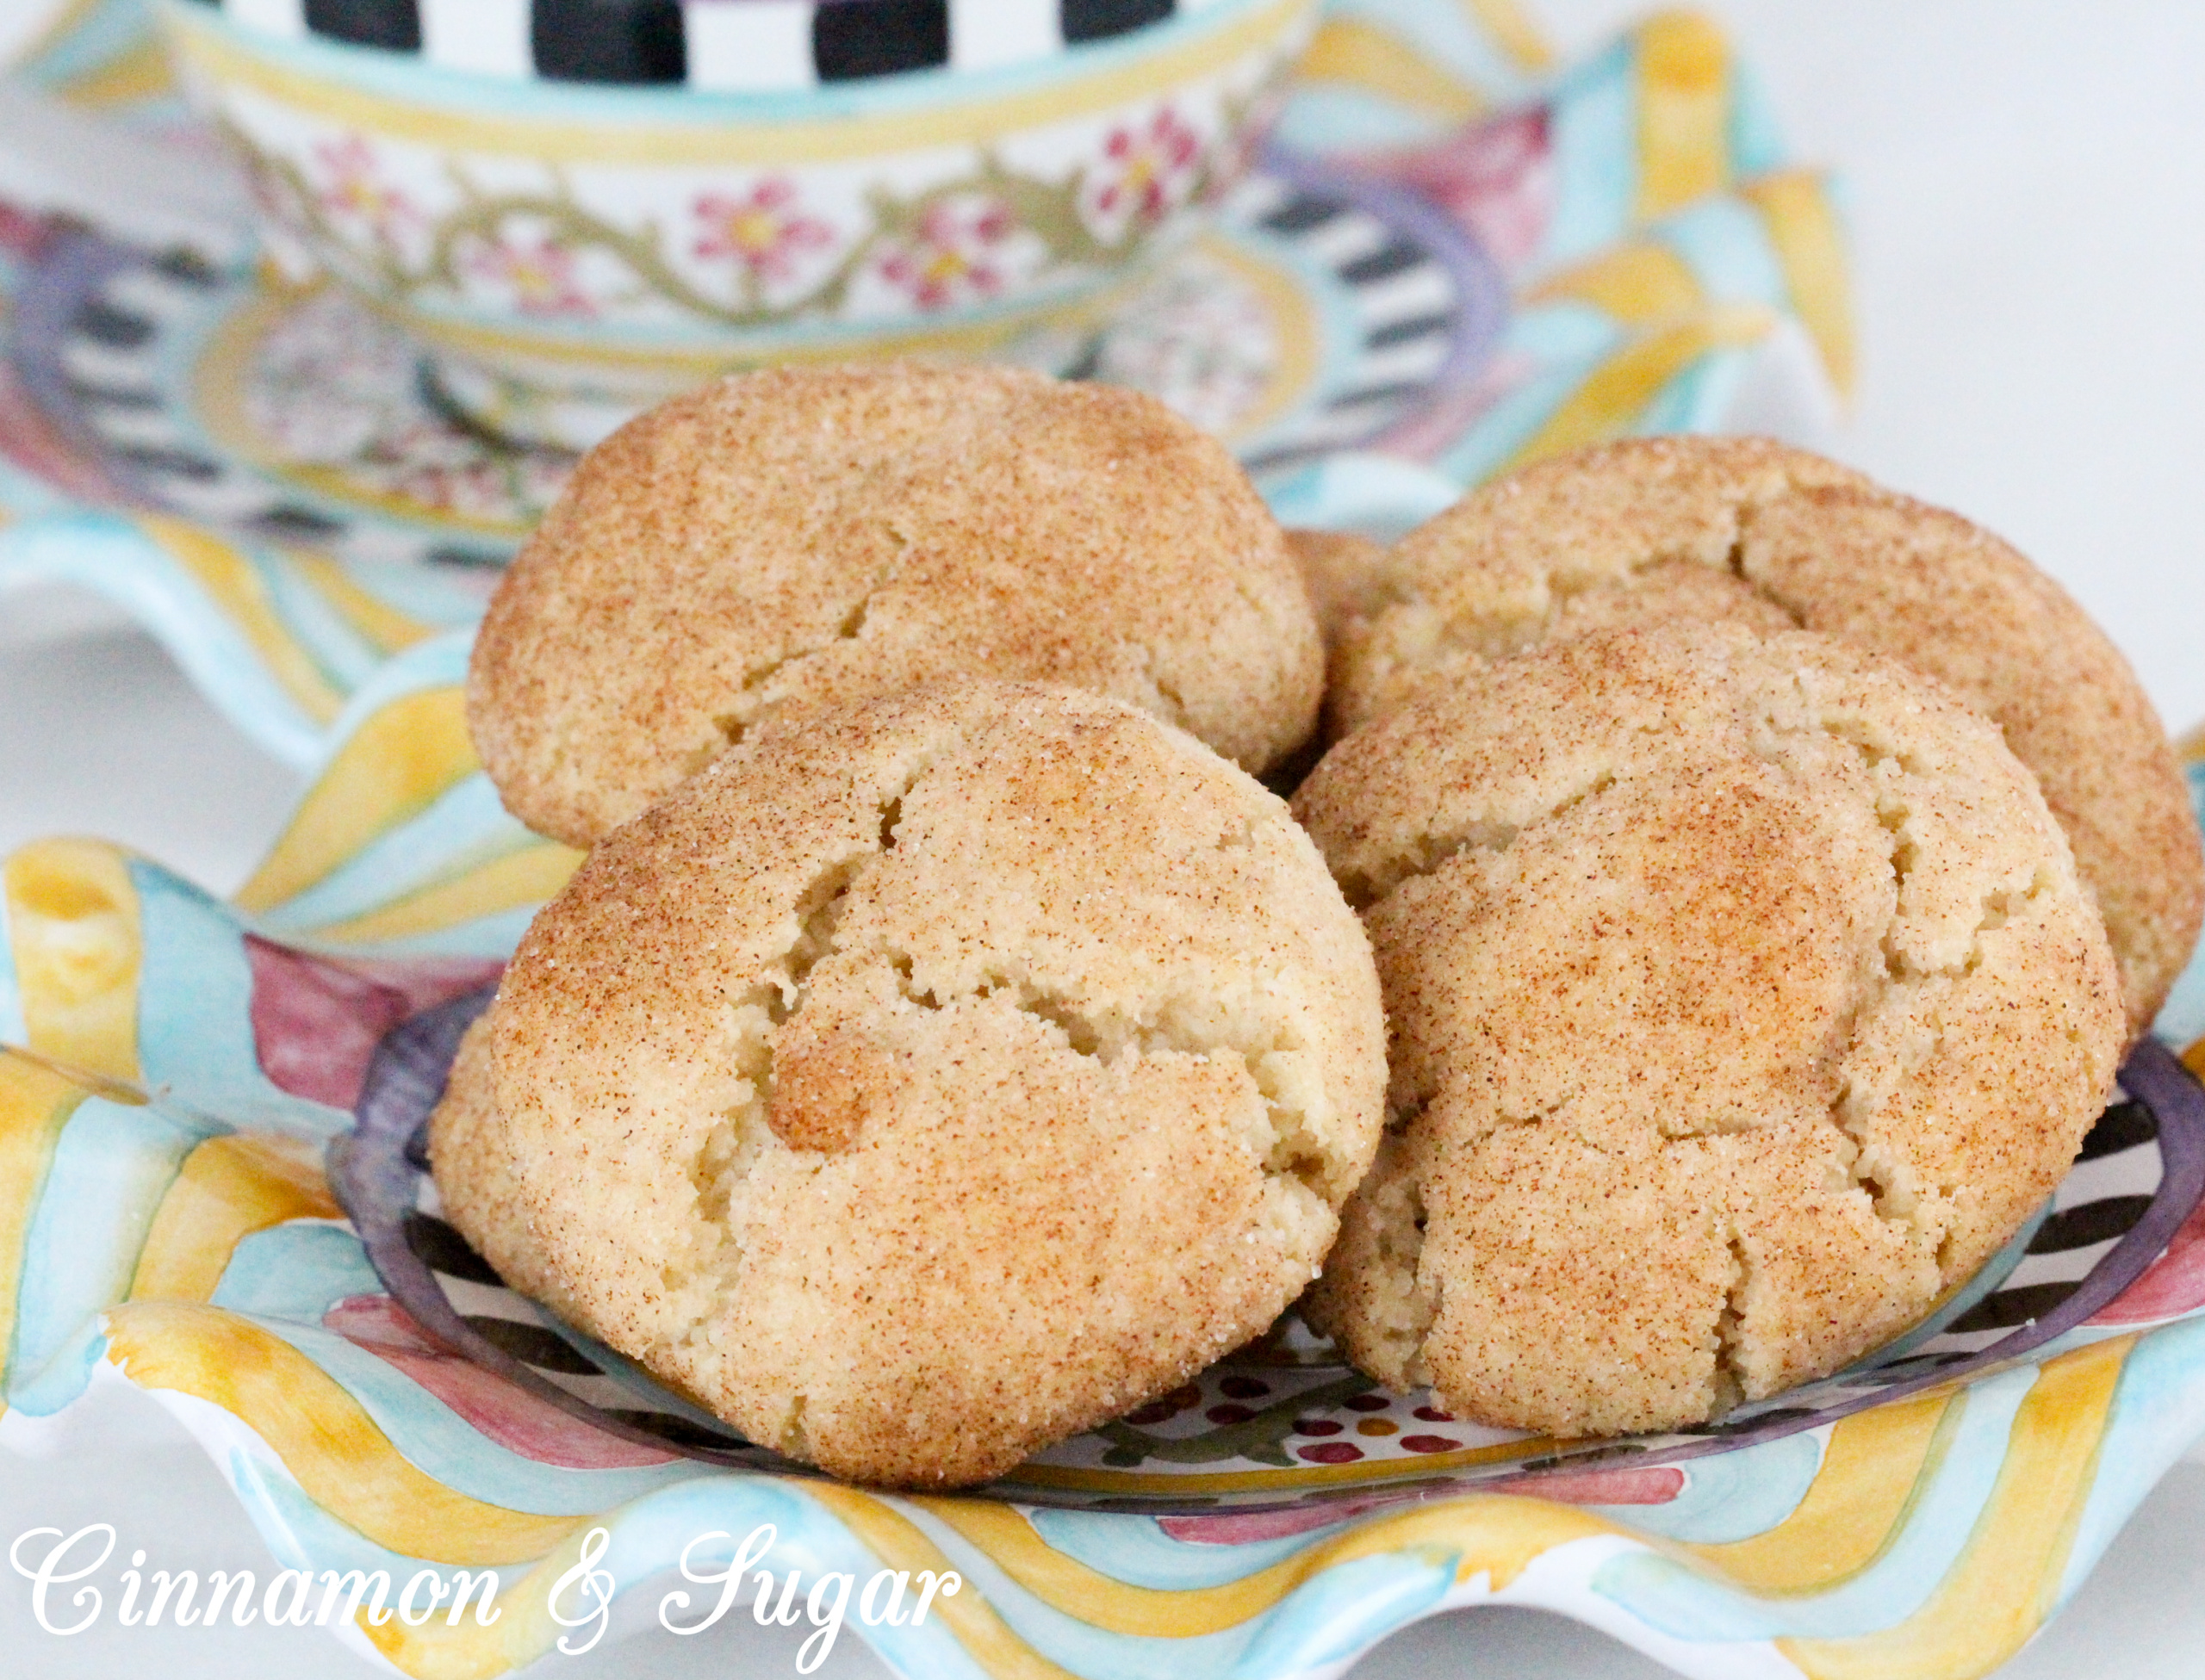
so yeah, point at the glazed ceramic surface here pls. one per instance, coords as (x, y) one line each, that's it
(572, 251)
(213, 1192)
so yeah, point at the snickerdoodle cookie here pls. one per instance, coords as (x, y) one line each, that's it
(1743, 997)
(1671, 530)
(930, 1080)
(801, 538)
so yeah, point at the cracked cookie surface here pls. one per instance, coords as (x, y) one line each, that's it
(925, 1083)
(1742, 998)
(803, 537)
(1674, 530)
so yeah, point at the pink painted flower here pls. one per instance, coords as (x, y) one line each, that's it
(352, 187)
(539, 275)
(961, 250)
(764, 230)
(1148, 171)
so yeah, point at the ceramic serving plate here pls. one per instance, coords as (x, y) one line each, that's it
(211, 1190)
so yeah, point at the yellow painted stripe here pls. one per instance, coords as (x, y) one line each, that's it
(228, 1188)
(325, 1438)
(397, 763)
(240, 592)
(1872, 1474)
(1803, 226)
(211, 50)
(35, 1103)
(1514, 32)
(143, 72)
(1606, 403)
(383, 626)
(521, 350)
(1684, 111)
(1297, 334)
(523, 1632)
(1247, 1481)
(73, 932)
(1362, 55)
(2006, 1581)
(515, 880)
(900, 1544)
(1638, 283)
(1009, 1538)
(1495, 1533)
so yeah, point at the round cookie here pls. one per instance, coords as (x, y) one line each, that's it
(1742, 998)
(928, 1082)
(1699, 528)
(802, 537)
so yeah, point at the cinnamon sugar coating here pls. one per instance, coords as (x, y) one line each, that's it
(779, 542)
(1742, 998)
(1700, 528)
(928, 1082)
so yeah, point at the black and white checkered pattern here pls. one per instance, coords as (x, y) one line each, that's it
(712, 46)
(1406, 305)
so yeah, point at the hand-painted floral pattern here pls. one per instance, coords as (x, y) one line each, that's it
(764, 232)
(962, 250)
(558, 251)
(537, 274)
(352, 191)
(1146, 171)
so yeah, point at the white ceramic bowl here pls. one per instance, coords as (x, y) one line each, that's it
(570, 250)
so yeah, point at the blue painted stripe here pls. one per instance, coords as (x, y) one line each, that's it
(298, 1270)
(1592, 126)
(1092, 1653)
(1562, 342)
(1724, 243)
(112, 1164)
(1334, 1616)
(1676, 1598)
(1756, 141)
(437, 1441)
(1695, 397)
(2183, 1020)
(345, 658)
(1325, 117)
(1733, 1496)
(431, 595)
(488, 937)
(195, 1013)
(463, 829)
(67, 1372)
(2159, 1414)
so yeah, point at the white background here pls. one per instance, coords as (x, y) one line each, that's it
(2028, 195)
